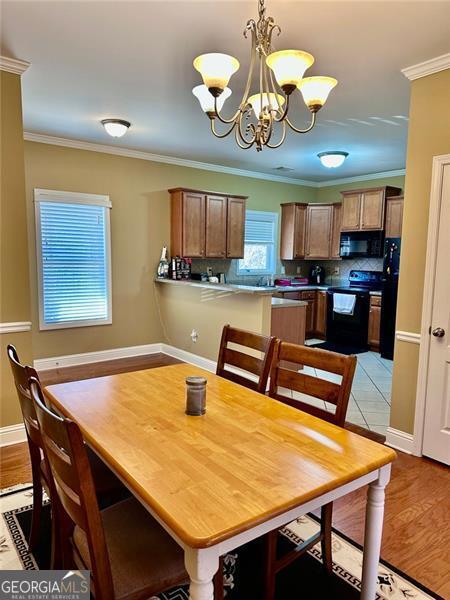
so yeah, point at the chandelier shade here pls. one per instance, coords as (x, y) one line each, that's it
(274, 76)
(270, 102)
(206, 99)
(216, 70)
(289, 66)
(315, 91)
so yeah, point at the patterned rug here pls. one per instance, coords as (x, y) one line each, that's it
(242, 569)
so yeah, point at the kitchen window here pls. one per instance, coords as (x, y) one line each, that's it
(73, 247)
(260, 243)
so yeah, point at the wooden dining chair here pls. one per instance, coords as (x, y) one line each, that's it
(42, 479)
(108, 488)
(252, 371)
(283, 382)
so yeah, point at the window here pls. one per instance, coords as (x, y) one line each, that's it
(74, 259)
(260, 243)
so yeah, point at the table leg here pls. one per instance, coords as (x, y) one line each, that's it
(373, 533)
(201, 565)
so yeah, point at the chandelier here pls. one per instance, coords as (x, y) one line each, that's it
(262, 117)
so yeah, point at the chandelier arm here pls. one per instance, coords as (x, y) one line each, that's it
(245, 145)
(243, 103)
(241, 135)
(222, 135)
(282, 113)
(283, 137)
(311, 125)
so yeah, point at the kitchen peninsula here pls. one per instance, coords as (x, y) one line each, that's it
(187, 306)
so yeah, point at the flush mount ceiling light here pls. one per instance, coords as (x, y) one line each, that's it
(279, 74)
(333, 158)
(116, 127)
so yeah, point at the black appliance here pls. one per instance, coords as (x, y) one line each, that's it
(391, 264)
(352, 329)
(362, 244)
(316, 275)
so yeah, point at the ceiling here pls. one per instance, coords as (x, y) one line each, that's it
(133, 60)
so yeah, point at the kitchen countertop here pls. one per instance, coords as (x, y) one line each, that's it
(246, 289)
(300, 288)
(282, 303)
(373, 293)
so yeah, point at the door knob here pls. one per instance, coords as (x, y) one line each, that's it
(438, 332)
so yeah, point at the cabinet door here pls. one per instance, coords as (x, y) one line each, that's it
(193, 225)
(374, 326)
(216, 227)
(372, 210)
(321, 313)
(335, 249)
(394, 217)
(299, 231)
(351, 212)
(318, 231)
(235, 227)
(310, 317)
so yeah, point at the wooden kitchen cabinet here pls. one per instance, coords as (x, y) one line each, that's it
(293, 225)
(321, 313)
(394, 216)
(206, 225)
(319, 219)
(216, 227)
(364, 210)
(373, 337)
(335, 249)
(235, 227)
(310, 298)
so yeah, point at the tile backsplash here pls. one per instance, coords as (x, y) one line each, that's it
(229, 267)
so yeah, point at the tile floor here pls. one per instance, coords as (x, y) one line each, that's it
(370, 401)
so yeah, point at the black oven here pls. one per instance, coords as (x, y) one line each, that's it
(362, 244)
(351, 329)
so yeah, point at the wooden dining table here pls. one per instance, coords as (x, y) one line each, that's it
(214, 482)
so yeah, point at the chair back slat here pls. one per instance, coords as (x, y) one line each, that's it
(21, 375)
(69, 464)
(285, 381)
(307, 384)
(257, 367)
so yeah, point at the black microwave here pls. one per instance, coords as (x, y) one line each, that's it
(362, 244)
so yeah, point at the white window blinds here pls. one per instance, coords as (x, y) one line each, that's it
(260, 244)
(73, 247)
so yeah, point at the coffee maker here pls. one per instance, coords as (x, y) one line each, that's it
(316, 275)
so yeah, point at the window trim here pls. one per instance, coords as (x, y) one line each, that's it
(42, 195)
(272, 217)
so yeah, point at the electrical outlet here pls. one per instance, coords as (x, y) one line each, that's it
(194, 336)
(336, 271)
(299, 270)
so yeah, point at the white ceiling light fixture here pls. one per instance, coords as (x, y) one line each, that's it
(333, 158)
(261, 118)
(116, 127)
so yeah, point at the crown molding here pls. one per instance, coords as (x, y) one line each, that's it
(369, 177)
(428, 67)
(193, 164)
(170, 160)
(13, 65)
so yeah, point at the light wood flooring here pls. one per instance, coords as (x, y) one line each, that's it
(416, 535)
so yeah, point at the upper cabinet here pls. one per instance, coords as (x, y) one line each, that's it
(310, 231)
(394, 216)
(206, 225)
(293, 223)
(364, 210)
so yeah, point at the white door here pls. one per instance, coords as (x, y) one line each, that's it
(436, 440)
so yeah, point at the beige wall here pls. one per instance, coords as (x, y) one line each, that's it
(429, 135)
(139, 228)
(207, 311)
(14, 283)
(333, 193)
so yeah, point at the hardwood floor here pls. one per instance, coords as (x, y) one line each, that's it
(417, 517)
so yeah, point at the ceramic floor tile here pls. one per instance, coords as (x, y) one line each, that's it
(363, 386)
(378, 429)
(328, 376)
(308, 399)
(356, 418)
(373, 406)
(377, 418)
(308, 371)
(372, 395)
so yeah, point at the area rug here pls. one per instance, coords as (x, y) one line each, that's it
(243, 569)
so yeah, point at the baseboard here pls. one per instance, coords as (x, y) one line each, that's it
(189, 357)
(400, 440)
(13, 434)
(43, 364)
